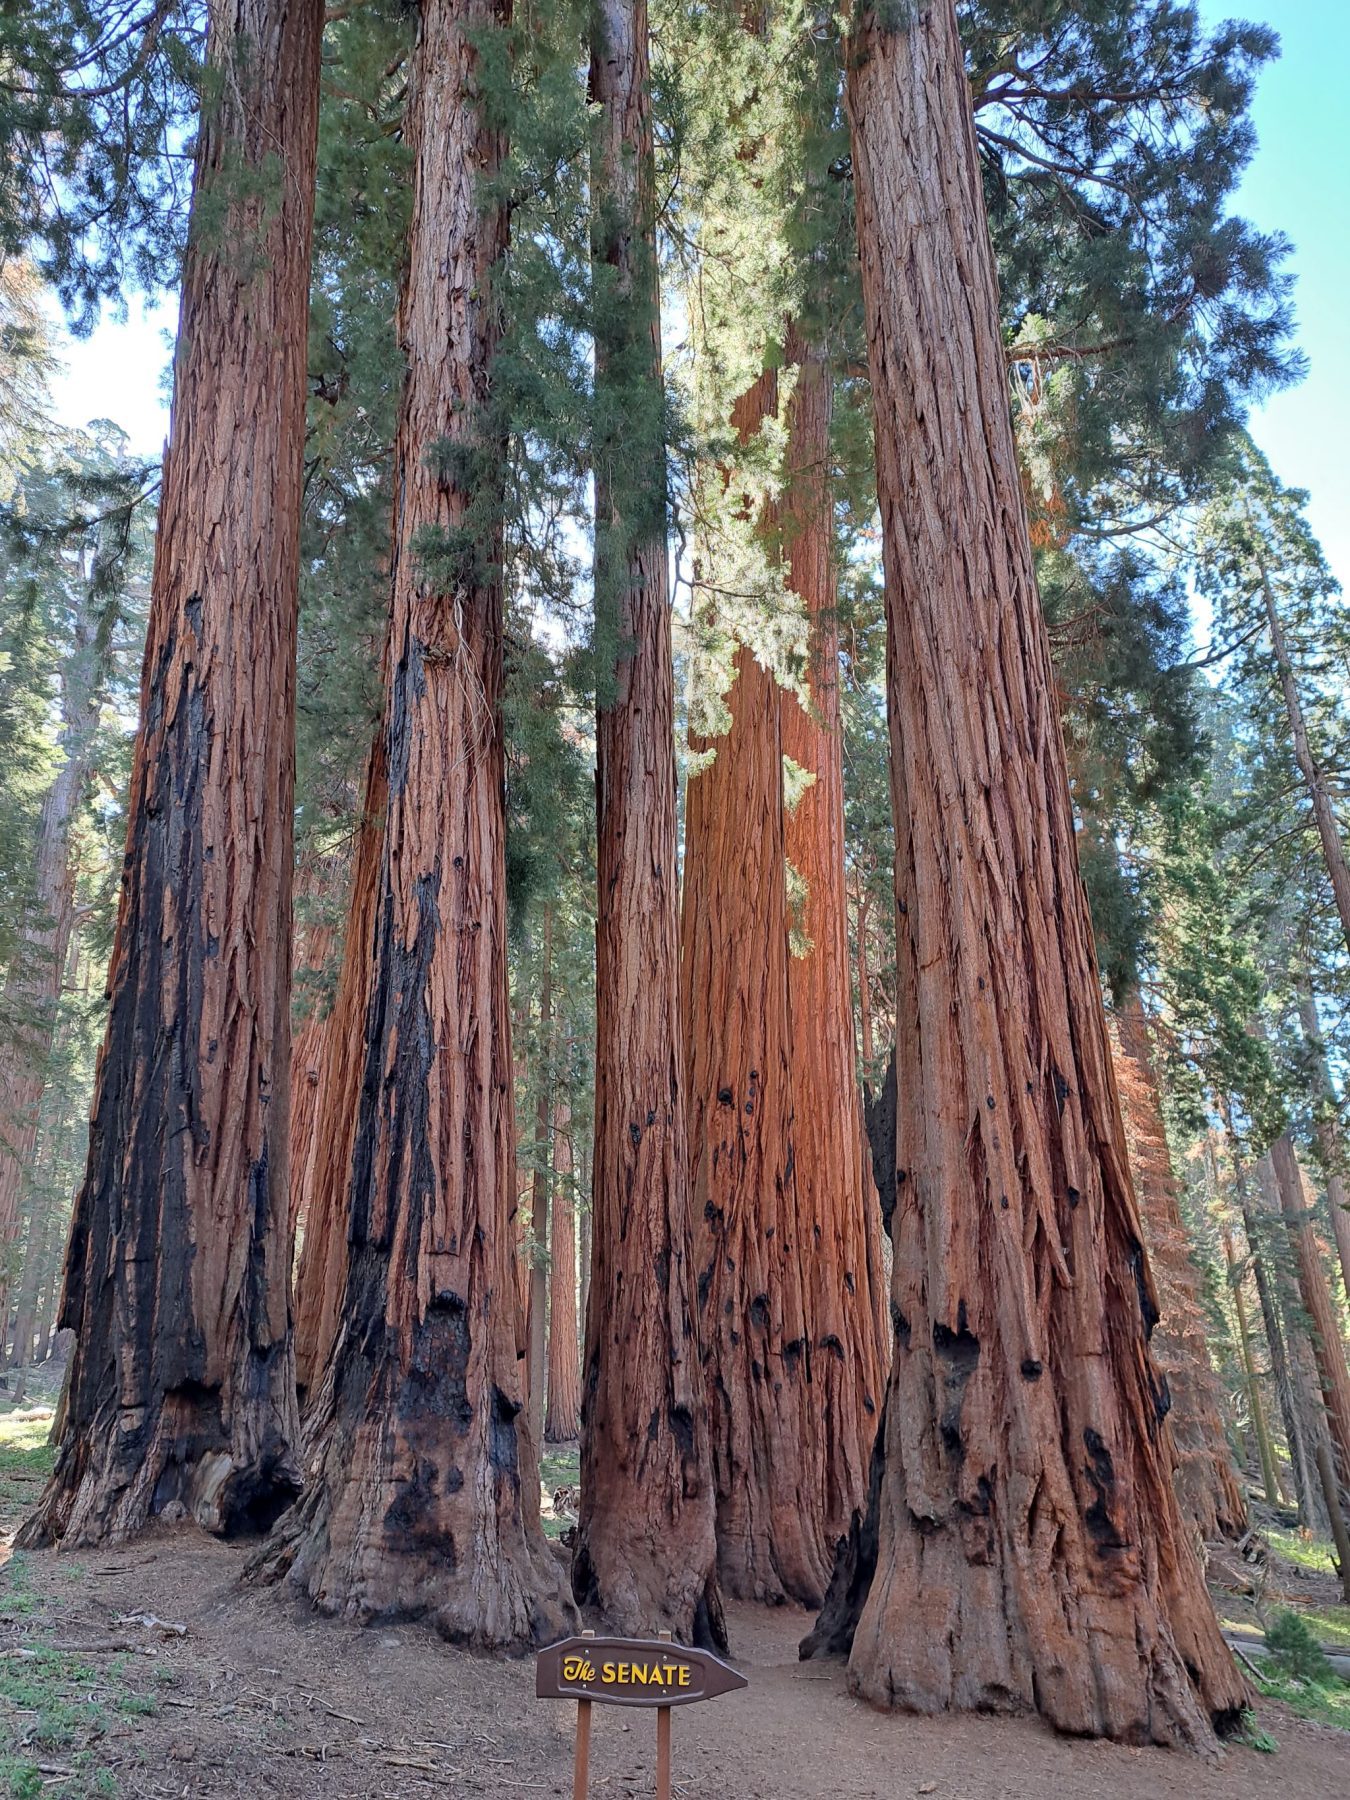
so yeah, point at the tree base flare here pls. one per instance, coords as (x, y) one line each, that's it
(936, 1633)
(113, 1478)
(418, 1511)
(639, 1593)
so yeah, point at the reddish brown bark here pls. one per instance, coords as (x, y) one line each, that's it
(789, 1326)
(846, 1292)
(1029, 1551)
(749, 1248)
(562, 1420)
(1328, 1348)
(772, 1542)
(1205, 1480)
(540, 1191)
(425, 1500)
(322, 1273)
(307, 1060)
(181, 1390)
(645, 1549)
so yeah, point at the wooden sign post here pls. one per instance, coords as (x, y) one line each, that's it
(629, 1672)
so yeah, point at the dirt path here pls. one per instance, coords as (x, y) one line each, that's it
(261, 1696)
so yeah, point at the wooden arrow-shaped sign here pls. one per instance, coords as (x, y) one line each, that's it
(631, 1672)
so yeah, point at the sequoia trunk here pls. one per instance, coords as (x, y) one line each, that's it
(773, 1542)
(1270, 1475)
(846, 1292)
(645, 1549)
(562, 1420)
(315, 939)
(1328, 1134)
(1205, 1480)
(1333, 1375)
(540, 1189)
(322, 1273)
(1301, 1410)
(1309, 764)
(1029, 1551)
(181, 1391)
(426, 1497)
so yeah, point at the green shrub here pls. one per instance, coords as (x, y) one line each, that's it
(1297, 1652)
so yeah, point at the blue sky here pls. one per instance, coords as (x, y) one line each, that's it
(1294, 185)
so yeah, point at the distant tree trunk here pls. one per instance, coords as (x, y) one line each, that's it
(865, 1043)
(1300, 1407)
(1339, 1532)
(1029, 1548)
(17, 1345)
(1270, 1477)
(425, 1499)
(562, 1421)
(537, 1314)
(584, 1249)
(314, 938)
(24, 1064)
(645, 1551)
(1328, 1134)
(520, 1220)
(36, 984)
(1205, 1481)
(181, 1393)
(1310, 767)
(1333, 1375)
(322, 1273)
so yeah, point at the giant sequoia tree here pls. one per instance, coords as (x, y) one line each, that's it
(181, 1390)
(786, 1277)
(645, 1546)
(426, 1497)
(1026, 1541)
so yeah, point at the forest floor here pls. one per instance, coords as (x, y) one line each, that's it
(150, 1673)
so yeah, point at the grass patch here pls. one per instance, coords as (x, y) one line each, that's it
(26, 1460)
(1299, 1547)
(1327, 1705)
(1331, 1623)
(55, 1704)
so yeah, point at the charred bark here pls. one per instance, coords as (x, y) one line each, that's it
(645, 1550)
(425, 1502)
(1030, 1551)
(181, 1393)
